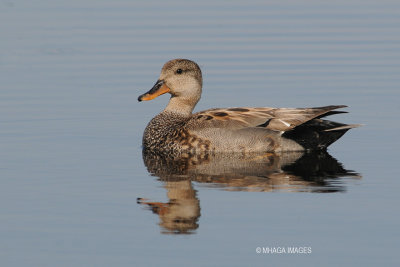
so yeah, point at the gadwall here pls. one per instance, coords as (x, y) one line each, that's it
(177, 130)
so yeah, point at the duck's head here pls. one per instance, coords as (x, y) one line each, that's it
(182, 79)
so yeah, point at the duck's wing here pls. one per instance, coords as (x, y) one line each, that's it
(277, 119)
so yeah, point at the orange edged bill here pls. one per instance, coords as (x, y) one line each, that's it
(158, 89)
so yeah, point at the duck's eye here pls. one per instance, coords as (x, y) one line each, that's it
(179, 71)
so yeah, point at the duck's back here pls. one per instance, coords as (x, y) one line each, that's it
(243, 130)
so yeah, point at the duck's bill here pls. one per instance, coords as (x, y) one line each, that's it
(158, 89)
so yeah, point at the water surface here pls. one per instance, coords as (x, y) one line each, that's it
(71, 161)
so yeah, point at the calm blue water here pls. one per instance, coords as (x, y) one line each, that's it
(71, 164)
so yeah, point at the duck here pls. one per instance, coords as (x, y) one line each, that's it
(177, 130)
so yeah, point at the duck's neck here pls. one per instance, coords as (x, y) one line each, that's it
(181, 106)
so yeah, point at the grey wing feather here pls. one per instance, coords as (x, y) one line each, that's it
(277, 119)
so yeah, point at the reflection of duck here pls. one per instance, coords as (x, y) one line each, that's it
(181, 213)
(177, 130)
(294, 171)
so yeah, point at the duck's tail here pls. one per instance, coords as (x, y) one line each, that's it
(318, 134)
